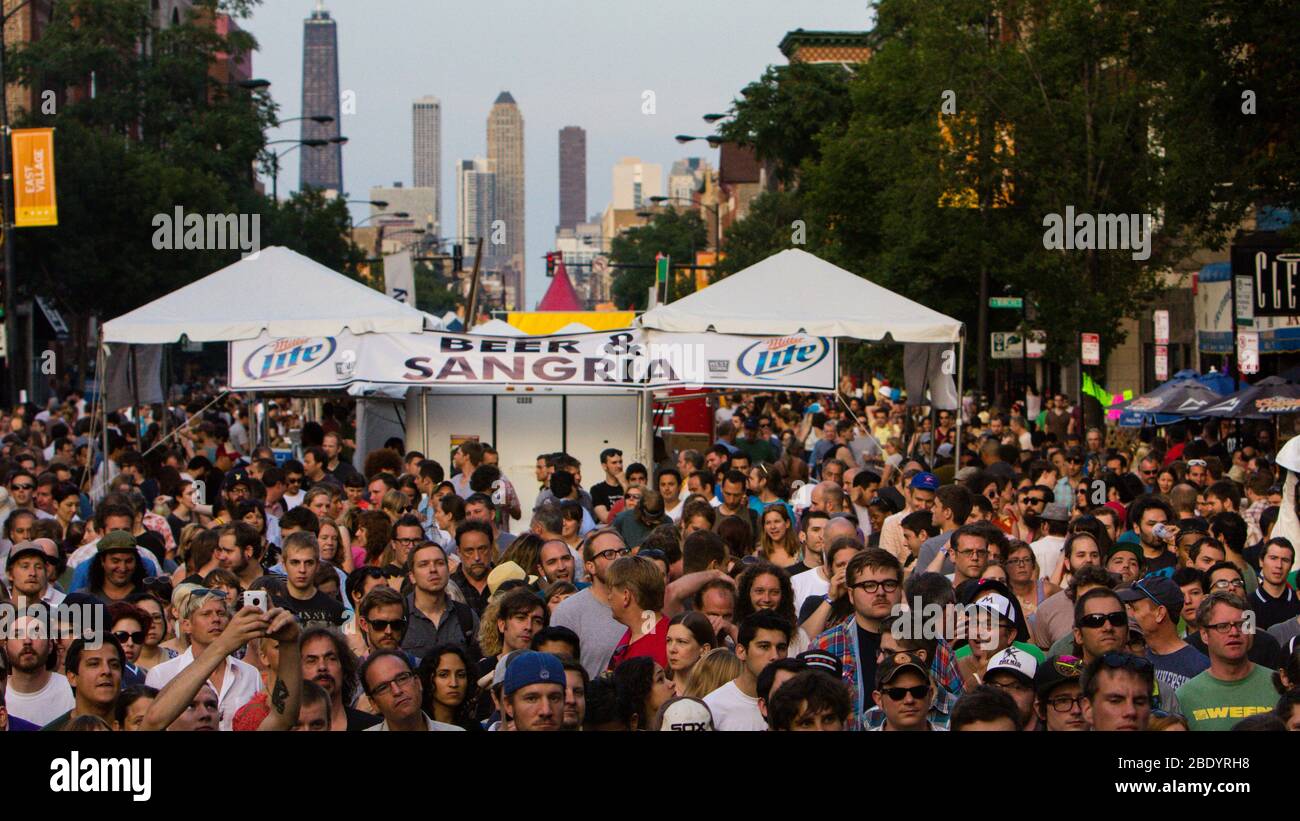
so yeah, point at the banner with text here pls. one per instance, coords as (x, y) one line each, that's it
(623, 359)
(35, 203)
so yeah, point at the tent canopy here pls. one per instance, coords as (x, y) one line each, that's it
(276, 291)
(795, 291)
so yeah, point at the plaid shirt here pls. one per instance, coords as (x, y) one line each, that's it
(1254, 535)
(842, 642)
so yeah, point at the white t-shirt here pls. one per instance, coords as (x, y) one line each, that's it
(292, 500)
(733, 710)
(1048, 552)
(44, 705)
(808, 583)
(676, 513)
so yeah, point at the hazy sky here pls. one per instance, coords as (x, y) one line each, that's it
(566, 62)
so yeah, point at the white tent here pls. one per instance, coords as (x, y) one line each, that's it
(276, 291)
(795, 291)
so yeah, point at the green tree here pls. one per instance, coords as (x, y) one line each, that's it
(679, 234)
(432, 295)
(782, 115)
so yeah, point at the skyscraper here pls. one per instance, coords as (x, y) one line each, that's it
(426, 116)
(505, 140)
(573, 176)
(320, 167)
(636, 182)
(475, 194)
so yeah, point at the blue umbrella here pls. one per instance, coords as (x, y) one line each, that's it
(1266, 398)
(1183, 396)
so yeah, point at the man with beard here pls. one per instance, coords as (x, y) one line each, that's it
(239, 550)
(189, 702)
(587, 612)
(327, 661)
(477, 551)
(533, 692)
(204, 617)
(434, 617)
(36, 694)
(28, 571)
(95, 674)
(116, 572)
(382, 617)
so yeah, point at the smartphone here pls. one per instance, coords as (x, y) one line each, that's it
(258, 599)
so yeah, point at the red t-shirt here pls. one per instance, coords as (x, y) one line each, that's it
(653, 644)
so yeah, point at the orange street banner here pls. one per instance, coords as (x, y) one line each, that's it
(34, 201)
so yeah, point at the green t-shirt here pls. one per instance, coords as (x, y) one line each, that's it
(1211, 704)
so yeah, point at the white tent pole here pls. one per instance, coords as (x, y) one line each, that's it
(961, 361)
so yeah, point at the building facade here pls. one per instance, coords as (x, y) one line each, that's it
(505, 143)
(426, 118)
(635, 183)
(476, 183)
(321, 166)
(573, 176)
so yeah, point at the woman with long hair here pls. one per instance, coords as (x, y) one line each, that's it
(642, 686)
(152, 653)
(525, 551)
(330, 539)
(714, 669)
(690, 636)
(778, 543)
(373, 530)
(450, 691)
(737, 535)
(766, 586)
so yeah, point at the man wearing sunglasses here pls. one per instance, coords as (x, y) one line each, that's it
(874, 579)
(1155, 603)
(587, 612)
(22, 490)
(1059, 702)
(1100, 624)
(1234, 687)
(904, 693)
(204, 617)
(1072, 465)
(1147, 471)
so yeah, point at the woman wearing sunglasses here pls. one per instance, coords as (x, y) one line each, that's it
(130, 626)
(152, 653)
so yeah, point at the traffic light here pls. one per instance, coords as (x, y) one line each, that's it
(457, 257)
(550, 263)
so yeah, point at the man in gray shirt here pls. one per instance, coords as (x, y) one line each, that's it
(587, 612)
(952, 504)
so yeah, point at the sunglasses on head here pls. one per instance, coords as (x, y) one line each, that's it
(1197, 463)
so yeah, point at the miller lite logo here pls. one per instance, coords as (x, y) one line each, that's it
(282, 359)
(782, 357)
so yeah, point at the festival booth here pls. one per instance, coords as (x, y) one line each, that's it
(794, 295)
(286, 309)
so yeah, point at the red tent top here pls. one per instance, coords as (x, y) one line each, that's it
(560, 296)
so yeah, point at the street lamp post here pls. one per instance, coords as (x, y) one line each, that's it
(717, 220)
(275, 158)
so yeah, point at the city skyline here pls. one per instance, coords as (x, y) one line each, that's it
(320, 166)
(386, 62)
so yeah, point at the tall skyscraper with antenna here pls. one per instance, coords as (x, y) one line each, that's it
(320, 167)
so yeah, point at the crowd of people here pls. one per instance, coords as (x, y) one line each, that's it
(827, 563)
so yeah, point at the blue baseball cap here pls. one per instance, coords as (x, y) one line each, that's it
(532, 667)
(925, 481)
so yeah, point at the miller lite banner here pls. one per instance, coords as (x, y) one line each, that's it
(632, 359)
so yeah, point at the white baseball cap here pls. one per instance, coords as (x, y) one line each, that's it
(684, 714)
(1016, 661)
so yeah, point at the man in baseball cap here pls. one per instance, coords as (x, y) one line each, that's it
(27, 574)
(533, 691)
(1060, 700)
(116, 571)
(1013, 671)
(1155, 603)
(904, 692)
(684, 714)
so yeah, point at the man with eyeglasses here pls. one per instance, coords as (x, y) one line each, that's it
(1117, 692)
(587, 612)
(203, 617)
(874, 579)
(393, 687)
(969, 549)
(1059, 704)
(1234, 687)
(1225, 577)
(1155, 603)
(1013, 670)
